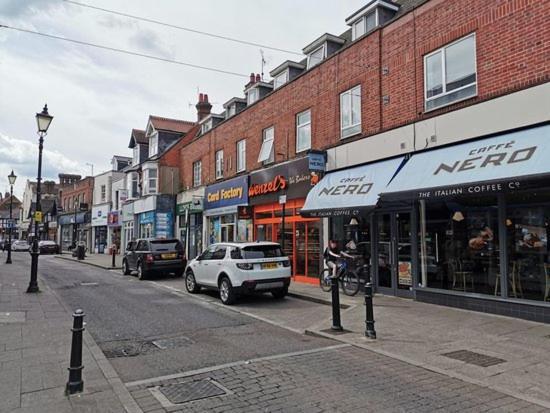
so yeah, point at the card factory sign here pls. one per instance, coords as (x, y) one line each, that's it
(227, 193)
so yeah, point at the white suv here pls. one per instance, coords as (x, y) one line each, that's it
(236, 268)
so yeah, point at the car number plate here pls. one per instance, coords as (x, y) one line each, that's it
(269, 266)
(168, 256)
(268, 286)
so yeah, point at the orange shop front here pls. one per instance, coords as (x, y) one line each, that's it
(278, 192)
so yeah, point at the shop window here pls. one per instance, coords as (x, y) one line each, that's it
(450, 73)
(267, 151)
(350, 112)
(527, 226)
(303, 131)
(459, 247)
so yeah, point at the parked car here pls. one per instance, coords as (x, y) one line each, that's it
(239, 268)
(20, 245)
(154, 256)
(48, 247)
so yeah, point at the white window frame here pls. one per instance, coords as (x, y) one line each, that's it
(241, 155)
(266, 154)
(249, 95)
(442, 50)
(231, 110)
(153, 144)
(277, 83)
(301, 125)
(136, 154)
(206, 126)
(103, 192)
(134, 179)
(361, 21)
(149, 189)
(197, 173)
(324, 48)
(353, 128)
(219, 164)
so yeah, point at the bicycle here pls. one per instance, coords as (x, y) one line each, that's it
(348, 279)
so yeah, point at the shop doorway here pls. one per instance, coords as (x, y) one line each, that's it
(394, 266)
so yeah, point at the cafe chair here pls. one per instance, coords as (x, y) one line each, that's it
(515, 279)
(457, 270)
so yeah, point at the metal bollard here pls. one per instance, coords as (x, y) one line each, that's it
(369, 320)
(75, 383)
(113, 253)
(336, 323)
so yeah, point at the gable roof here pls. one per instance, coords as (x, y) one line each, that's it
(172, 125)
(137, 138)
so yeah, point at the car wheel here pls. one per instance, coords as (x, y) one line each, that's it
(125, 268)
(227, 292)
(191, 283)
(141, 273)
(280, 293)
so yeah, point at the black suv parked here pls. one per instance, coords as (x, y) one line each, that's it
(154, 256)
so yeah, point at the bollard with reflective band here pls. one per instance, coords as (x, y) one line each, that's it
(75, 383)
(369, 319)
(336, 323)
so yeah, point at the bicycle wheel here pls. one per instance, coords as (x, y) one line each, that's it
(350, 283)
(324, 280)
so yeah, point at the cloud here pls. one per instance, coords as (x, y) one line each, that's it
(21, 156)
(20, 8)
(149, 41)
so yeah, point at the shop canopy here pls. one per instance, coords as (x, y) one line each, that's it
(505, 163)
(350, 192)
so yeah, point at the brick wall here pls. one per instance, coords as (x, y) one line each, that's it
(83, 188)
(513, 52)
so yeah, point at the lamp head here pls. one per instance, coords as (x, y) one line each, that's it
(12, 178)
(43, 120)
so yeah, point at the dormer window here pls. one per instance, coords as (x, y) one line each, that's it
(280, 79)
(231, 110)
(153, 144)
(374, 14)
(316, 57)
(136, 154)
(206, 126)
(252, 96)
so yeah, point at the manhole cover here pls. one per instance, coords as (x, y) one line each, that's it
(180, 393)
(13, 317)
(114, 349)
(477, 359)
(174, 342)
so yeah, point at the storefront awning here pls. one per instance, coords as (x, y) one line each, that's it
(504, 163)
(351, 191)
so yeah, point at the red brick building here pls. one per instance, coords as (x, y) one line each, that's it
(412, 82)
(74, 219)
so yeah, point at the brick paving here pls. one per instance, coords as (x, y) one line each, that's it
(346, 379)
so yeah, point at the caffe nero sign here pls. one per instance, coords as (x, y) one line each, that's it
(294, 179)
(501, 164)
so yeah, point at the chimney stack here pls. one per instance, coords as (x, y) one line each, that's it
(203, 107)
(258, 78)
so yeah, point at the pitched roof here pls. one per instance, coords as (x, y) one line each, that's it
(173, 125)
(5, 203)
(139, 136)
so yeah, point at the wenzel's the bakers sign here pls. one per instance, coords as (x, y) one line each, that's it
(276, 184)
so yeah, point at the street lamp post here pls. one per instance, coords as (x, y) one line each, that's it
(11, 179)
(43, 120)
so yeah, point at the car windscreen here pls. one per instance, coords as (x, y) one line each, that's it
(166, 245)
(261, 251)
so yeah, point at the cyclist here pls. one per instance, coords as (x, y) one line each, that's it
(332, 254)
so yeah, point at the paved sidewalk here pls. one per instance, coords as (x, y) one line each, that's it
(424, 335)
(35, 340)
(104, 261)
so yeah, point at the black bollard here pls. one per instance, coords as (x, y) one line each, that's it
(113, 252)
(75, 383)
(369, 320)
(336, 323)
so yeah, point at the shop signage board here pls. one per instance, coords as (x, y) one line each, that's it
(100, 215)
(113, 219)
(317, 161)
(193, 207)
(244, 212)
(351, 191)
(293, 179)
(164, 225)
(227, 193)
(128, 212)
(147, 217)
(504, 163)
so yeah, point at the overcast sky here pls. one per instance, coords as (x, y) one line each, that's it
(97, 96)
